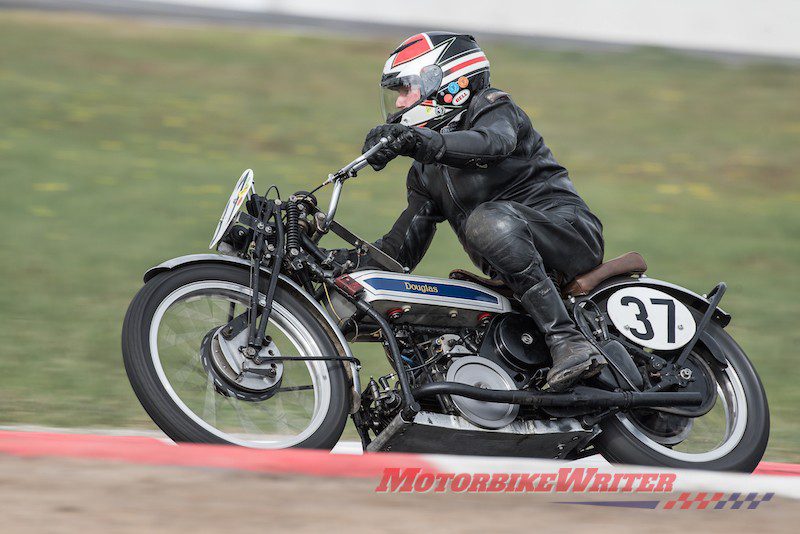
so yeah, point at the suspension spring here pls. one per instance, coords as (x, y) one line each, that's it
(292, 228)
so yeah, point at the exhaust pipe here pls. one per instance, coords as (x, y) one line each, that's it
(581, 396)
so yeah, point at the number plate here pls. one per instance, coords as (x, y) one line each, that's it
(240, 193)
(651, 318)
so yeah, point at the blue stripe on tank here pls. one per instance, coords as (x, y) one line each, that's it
(430, 288)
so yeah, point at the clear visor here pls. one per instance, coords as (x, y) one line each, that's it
(398, 95)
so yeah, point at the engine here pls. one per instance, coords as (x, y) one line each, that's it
(454, 331)
(506, 353)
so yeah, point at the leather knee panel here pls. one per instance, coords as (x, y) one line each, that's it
(499, 235)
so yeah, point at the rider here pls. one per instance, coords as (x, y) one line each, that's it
(481, 166)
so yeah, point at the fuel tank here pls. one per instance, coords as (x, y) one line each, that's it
(424, 300)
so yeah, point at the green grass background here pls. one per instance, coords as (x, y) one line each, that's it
(120, 141)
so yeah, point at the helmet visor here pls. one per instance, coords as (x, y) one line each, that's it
(399, 94)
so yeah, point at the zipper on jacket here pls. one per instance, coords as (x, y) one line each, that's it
(450, 189)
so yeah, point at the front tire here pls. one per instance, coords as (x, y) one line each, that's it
(162, 335)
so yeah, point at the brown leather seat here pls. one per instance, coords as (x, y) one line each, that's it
(630, 263)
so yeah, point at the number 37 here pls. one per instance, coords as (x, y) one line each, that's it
(642, 317)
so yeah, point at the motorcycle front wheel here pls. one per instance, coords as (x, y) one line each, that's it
(193, 394)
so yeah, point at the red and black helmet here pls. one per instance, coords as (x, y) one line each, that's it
(431, 77)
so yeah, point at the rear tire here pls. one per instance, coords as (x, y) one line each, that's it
(180, 422)
(621, 442)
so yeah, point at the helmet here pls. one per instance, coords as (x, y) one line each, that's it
(431, 77)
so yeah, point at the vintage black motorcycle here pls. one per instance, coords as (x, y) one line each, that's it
(242, 347)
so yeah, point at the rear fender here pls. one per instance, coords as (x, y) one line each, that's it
(288, 285)
(690, 298)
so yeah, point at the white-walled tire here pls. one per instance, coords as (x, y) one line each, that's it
(743, 402)
(161, 340)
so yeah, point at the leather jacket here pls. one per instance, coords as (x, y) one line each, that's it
(492, 154)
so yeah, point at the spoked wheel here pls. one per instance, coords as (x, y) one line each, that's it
(197, 386)
(731, 436)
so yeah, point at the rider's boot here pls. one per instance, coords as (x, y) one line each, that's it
(574, 357)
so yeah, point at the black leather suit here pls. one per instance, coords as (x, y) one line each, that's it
(511, 204)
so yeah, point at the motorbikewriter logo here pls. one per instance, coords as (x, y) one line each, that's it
(568, 480)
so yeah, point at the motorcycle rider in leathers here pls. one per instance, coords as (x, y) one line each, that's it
(480, 165)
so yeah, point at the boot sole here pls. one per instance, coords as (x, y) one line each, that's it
(587, 369)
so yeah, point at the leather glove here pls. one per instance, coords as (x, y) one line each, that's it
(404, 142)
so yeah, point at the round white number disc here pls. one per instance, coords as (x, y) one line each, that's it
(651, 318)
(239, 195)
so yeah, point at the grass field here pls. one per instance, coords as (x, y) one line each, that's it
(120, 141)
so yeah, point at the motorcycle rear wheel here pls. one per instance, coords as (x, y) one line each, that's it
(163, 335)
(746, 417)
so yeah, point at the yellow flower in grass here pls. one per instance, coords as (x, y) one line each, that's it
(172, 121)
(670, 95)
(644, 167)
(695, 189)
(176, 146)
(145, 163)
(80, 114)
(41, 211)
(50, 187)
(111, 145)
(702, 191)
(792, 127)
(669, 189)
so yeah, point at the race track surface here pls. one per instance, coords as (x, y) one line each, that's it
(59, 482)
(88, 496)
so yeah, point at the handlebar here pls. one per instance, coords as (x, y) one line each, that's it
(349, 171)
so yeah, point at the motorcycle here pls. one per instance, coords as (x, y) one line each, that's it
(241, 347)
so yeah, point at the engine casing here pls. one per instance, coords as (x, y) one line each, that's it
(424, 300)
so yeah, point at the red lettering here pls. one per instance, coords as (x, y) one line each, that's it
(647, 482)
(574, 479)
(665, 482)
(479, 481)
(526, 482)
(498, 482)
(443, 479)
(424, 482)
(395, 478)
(601, 481)
(630, 478)
(461, 482)
(546, 482)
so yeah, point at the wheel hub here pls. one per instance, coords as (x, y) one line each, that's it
(664, 428)
(248, 377)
